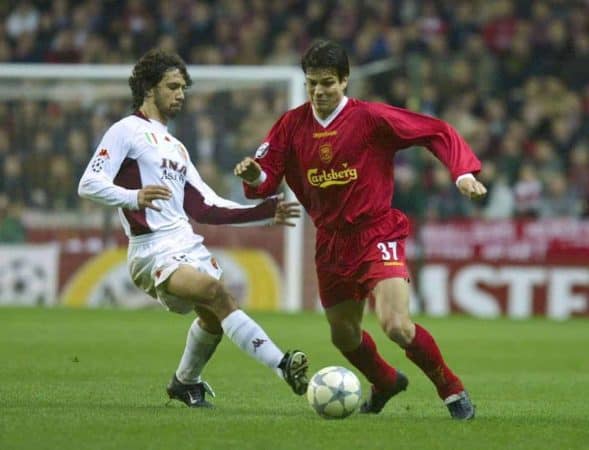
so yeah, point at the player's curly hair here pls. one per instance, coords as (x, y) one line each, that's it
(325, 54)
(150, 70)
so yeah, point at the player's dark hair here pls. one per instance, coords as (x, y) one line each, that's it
(324, 54)
(150, 70)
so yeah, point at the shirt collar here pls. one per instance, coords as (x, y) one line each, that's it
(325, 122)
(157, 123)
(160, 126)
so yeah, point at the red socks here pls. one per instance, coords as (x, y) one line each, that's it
(424, 352)
(368, 361)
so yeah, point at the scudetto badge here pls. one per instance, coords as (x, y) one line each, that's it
(262, 150)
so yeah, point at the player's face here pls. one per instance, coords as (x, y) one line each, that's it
(325, 90)
(169, 93)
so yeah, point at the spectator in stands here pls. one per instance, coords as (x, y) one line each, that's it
(507, 74)
(527, 192)
(60, 176)
(575, 70)
(509, 158)
(545, 159)
(495, 115)
(559, 199)
(283, 51)
(410, 196)
(500, 31)
(77, 150)
(22, 20)
(445, 202)
(499, 202)
(36, 169)
(12, 229)
(4, 145)
(63, 48)
(13, 182)
(578, 175)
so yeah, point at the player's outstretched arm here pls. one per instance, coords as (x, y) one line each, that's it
(470, 187)
(203, 205)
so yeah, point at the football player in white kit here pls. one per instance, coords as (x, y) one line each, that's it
(143, 170)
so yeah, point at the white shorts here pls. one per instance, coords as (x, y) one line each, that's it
(152, 259)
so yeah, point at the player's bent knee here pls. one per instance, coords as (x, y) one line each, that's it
(202, 290)
(210, 323)
(215, 297)
(398, 329)
(210, 290)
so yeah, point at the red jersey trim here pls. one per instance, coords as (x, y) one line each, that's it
(129, 177)
(195, 207)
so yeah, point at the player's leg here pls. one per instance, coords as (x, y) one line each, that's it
(392, 309)
(204, 335)
(356, 344)
(208, 293)
(183, 276)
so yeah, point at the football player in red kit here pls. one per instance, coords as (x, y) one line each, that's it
(336, 154)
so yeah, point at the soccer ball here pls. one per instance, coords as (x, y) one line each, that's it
(334, 392)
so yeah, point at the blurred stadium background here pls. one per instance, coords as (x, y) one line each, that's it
(511, 75)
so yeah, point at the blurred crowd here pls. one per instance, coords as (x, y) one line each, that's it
(511, 75)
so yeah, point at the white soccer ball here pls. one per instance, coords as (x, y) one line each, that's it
(334, 392)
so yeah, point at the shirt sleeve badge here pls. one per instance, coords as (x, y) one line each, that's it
(262, 150)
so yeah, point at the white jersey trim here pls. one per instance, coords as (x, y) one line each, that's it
(325, 122)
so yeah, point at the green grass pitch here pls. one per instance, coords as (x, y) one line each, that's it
(95, 379)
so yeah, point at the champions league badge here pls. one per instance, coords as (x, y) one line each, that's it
(98, 163)
(262, 150)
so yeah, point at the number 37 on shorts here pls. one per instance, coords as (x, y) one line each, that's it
(392, 253)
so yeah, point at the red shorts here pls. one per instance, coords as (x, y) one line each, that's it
(349, 264)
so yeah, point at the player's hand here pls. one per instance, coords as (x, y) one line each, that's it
(472, 188)
(286, 211)
(149, 193)
(247, 169)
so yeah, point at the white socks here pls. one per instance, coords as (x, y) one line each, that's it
(243, 332)
(200, 346)
(249, 336)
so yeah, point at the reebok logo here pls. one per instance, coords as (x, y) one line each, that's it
(257, 343)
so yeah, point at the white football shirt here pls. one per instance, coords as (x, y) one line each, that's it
(137, 151)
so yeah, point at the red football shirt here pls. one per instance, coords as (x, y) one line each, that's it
(342, 173)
